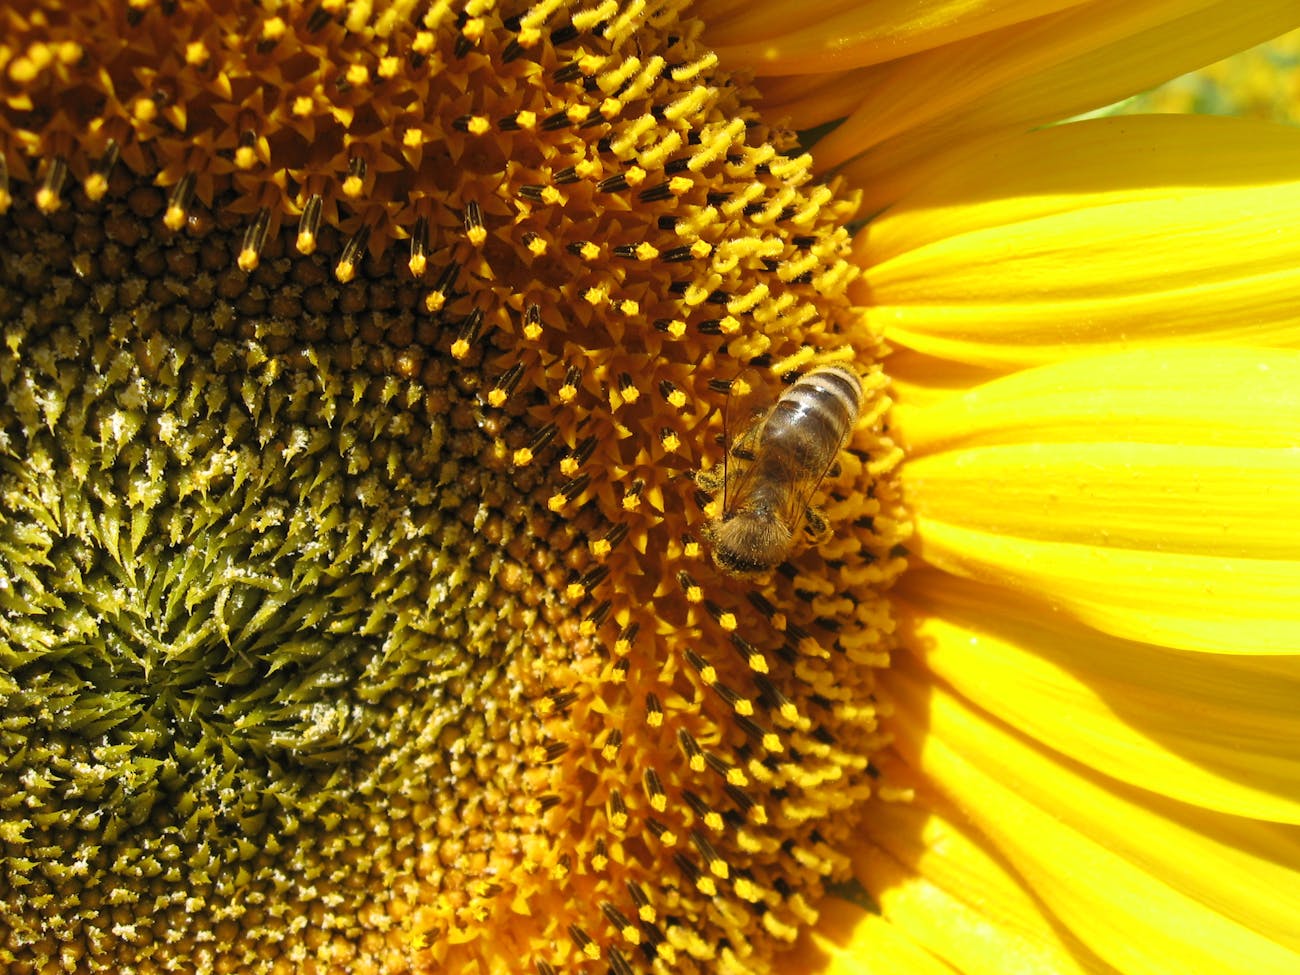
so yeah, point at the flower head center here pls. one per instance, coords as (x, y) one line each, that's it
(355, 588)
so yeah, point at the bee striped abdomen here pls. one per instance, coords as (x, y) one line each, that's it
(814, 417)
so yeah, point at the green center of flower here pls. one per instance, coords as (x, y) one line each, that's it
(255, 588)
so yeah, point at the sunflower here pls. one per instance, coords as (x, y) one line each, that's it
(366, 370)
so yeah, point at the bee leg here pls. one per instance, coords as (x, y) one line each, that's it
(815, 525)
(709, 481)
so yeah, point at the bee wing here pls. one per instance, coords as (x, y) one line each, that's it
(749, 401)
(801, 494)
(806, 482)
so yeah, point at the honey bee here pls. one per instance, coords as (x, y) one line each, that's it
(775, 465)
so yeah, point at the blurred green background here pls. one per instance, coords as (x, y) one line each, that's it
(1263, 82)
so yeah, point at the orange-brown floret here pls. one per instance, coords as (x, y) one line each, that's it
(356, 361)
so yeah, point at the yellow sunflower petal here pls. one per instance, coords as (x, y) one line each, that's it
(1220, 605)
(1104, 501)
(1200, 499)
(1106, 233)
(1150, 885)
(1029, 74)
(917, 379)
(850, 941)
(940, 884)
(1222, 397)
(831, 35)
(1212, 730)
